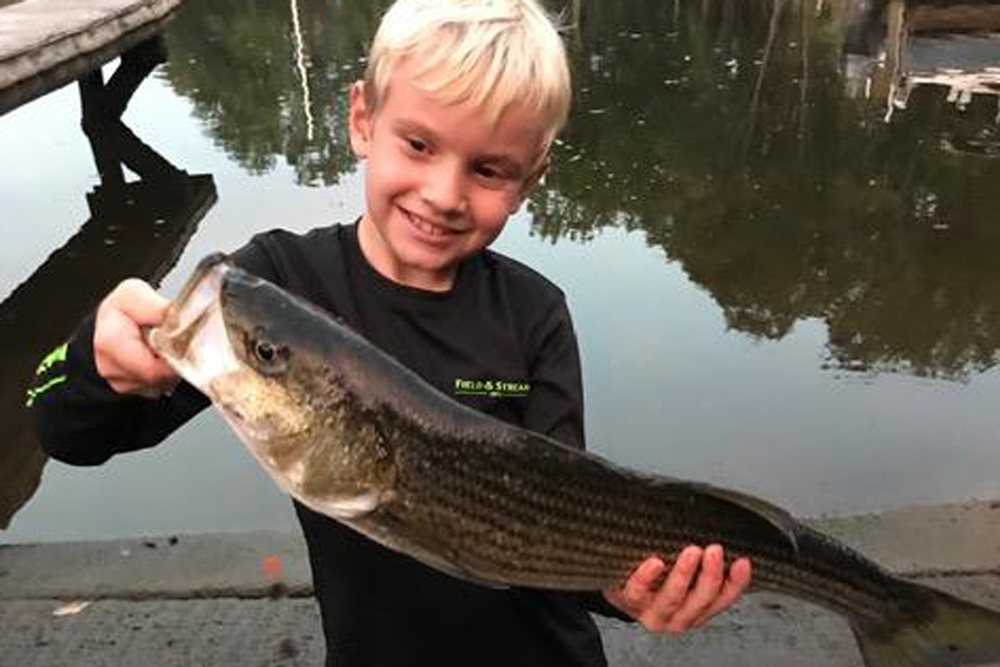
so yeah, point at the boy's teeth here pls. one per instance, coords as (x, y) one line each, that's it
(425, 227)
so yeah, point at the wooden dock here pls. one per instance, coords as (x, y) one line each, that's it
(45, 44)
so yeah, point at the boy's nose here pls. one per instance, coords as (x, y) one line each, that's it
(444, 189)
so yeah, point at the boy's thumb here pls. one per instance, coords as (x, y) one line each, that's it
(138, 301)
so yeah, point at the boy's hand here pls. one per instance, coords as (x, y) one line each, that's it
(121, 353)
(695, 589)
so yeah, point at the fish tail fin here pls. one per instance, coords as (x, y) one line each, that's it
(931, 629)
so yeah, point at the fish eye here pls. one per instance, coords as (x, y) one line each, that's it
(265, 351)
(268, 357)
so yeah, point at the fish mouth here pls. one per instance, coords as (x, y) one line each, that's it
(193, 338)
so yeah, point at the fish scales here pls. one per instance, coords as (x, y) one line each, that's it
(586, 530)
(499, 503)
(539, 523)
(488, 474)
(561, 527)
(349, 432)
(581, 534)
(803, 575)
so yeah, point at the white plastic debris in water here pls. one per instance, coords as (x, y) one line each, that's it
(71, 608)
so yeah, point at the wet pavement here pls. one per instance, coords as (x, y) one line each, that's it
(162, 633)
(244, 632)
(244, 599)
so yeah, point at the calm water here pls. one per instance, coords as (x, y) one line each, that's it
(782, 260)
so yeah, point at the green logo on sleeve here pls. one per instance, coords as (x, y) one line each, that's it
(494, 388)
(35, 392)
(56, 356)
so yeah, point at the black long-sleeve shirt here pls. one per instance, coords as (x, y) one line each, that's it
(501, 321)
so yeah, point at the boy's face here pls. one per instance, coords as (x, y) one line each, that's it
(440, 180)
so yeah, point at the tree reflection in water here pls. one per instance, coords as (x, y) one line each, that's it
(734, 134)
(778, 193)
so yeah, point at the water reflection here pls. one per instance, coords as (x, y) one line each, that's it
(721, 130)
(268, 79)
(894, 48)
(136, 228)
(748, 145)
(747, 140)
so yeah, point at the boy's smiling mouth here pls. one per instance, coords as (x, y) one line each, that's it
(427, 227)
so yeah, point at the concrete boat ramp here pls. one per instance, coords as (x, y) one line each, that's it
(45, 44)
(238, 599)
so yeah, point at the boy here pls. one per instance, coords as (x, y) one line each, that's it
(453, 120)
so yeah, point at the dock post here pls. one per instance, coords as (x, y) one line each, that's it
(102, 102)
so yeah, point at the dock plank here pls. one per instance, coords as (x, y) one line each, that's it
(47, 43)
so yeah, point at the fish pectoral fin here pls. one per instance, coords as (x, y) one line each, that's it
(354, 506)
(786, 524)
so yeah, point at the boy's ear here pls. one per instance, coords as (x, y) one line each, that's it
(538, 175)
(359, 121)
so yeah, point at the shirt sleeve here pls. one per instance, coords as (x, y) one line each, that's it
(79, 419)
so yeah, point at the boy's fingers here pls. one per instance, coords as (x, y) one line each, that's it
(674, 592)
(642, 584)
(144, 365)
(121, 353)
(141, 372)
(139, 302)
(736, 584)
(696, 588)
(702, 596)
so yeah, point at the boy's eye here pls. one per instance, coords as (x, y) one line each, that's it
(417, 145)
(486, 171)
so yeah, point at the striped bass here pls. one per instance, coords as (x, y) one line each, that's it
(351, 433)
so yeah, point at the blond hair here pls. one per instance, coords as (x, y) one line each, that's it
(492, 53)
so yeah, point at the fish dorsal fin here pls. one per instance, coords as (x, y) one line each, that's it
(786, 524)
